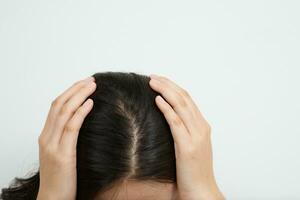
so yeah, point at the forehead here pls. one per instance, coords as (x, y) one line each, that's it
(137, 190)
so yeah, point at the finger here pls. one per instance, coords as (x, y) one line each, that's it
(69, 138)
(176, 87)
(179, 103)
(181, 91)
(178, 129)
(60, 101)
(202, 123)
(62, 98)
(70, 107)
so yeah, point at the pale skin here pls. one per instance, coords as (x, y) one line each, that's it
(192, 140)
(190, 131)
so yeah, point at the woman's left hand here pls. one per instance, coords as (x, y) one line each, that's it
(192, 140)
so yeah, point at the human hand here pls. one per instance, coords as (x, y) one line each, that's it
(58, 139)
(192, 141)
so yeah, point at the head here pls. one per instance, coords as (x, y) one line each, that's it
(125, 148)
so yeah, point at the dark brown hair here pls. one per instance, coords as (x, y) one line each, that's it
(125, 136)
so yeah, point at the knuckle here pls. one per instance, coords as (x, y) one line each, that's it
(185, 93)
(176, 121)
(181, 102)
(70, 128)
(65, 109)
(41, 141)
(56, 102)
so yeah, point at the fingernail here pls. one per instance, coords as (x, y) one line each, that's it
(154, 81)
(89, 101)
(154, 76)
(90, 78)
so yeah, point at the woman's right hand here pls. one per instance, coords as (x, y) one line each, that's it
(58, 139)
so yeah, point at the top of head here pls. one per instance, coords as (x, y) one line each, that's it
(124, 137)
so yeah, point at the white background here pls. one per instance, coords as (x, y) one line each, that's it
(238, 59)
